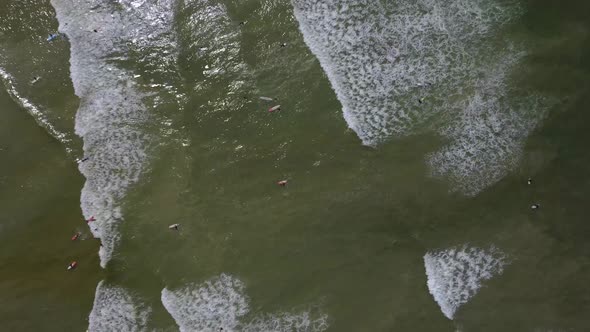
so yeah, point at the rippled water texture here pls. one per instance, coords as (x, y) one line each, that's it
(331, 165)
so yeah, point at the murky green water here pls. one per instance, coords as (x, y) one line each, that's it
(343, 243)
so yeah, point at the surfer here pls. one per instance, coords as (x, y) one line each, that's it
(72, 265)
(35, 79)
(283, 44)
(174, 226)
(91, 219)
(76, 236)
(535, 206)
(52, 36)
(421, 100)
(282, 183)
(274, 108)
(529, 181)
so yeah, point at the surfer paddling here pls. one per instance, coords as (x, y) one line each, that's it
(52, 37)
(174, 226)
(72, 265)
(282, 183)
(274, 108)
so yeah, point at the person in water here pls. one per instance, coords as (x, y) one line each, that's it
(282, 183)
(72, 265)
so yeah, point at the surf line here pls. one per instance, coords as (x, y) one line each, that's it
(110, 117)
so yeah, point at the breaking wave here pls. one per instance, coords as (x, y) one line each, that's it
(407, 66)
(115, 309)
(221, 304)
(456, 274)
(114, 105)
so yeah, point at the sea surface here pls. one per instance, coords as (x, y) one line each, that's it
(435, 154)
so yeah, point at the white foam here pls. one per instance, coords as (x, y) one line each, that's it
(113, 109)
(39, 116)
(217, 303)
(115, 309)
(221, 303)
(382, 57)
(284, 321)
(456, 274)
(487, 139)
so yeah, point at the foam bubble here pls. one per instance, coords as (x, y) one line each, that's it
(113, 112)
(456, 274)
(221, 303)
(115, 309)
(382, 58)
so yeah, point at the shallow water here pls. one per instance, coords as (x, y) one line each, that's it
(427, 227)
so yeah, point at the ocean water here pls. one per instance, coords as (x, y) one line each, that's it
(407, 132)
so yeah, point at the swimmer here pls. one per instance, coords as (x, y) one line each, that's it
(282, 183)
